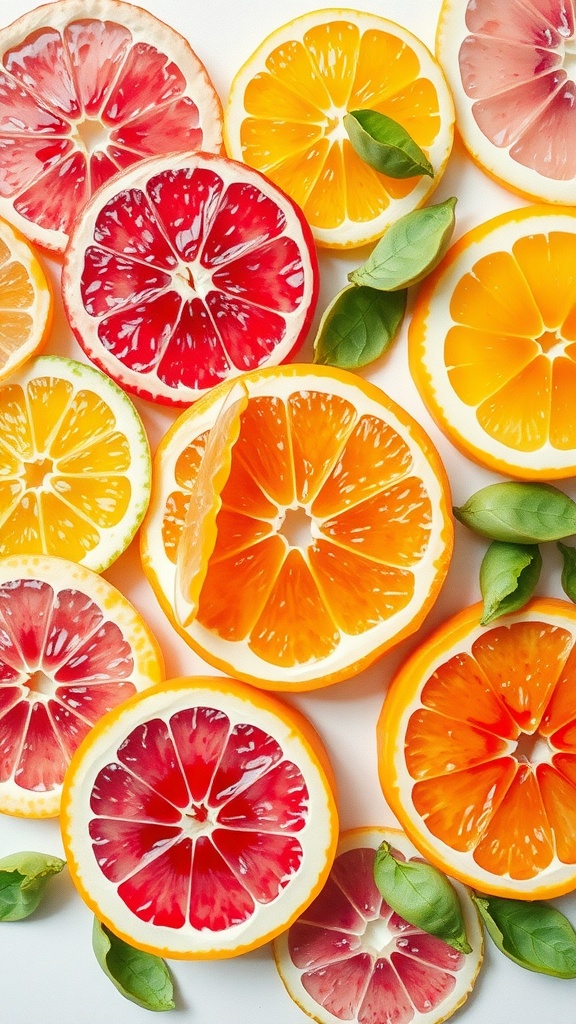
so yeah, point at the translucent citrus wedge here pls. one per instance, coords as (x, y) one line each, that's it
(75, 464)
(478, 754)
(198, 818)
(71, 648)
(333, 536)
(25, 301)
(287, 104)
(85, 92)
(170, 311)
(492, 343)
(349, 957)
(510, 65)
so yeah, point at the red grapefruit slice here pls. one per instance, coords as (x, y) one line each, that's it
(71, 648)
(85, 92)
(349, 957)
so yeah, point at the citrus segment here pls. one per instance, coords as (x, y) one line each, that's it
(476, 746)
(200, 821)
(332, 538)
(286, 109)
(76, 464)
(491, 343)
(82, 97)
(350, 957)
(25, 302)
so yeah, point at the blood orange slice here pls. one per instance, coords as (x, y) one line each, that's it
(188, 270)
(85, 93)
(198, 818)
(349, 957)
(71, 648)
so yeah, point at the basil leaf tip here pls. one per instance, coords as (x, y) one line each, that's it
(358, 327)
(520, 513)
(568, 578)
(534, 935)
(139, 976)
(385, 145)
(509, 574)
(23, 881)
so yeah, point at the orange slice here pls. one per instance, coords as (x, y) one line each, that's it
(333, 535)
(71, 648)
(492, 343)
(286, 108)
(198, 818)
(75, 464)
(25, 301)
(349, 957)
(477, 750)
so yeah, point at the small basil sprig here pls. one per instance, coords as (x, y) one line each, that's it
(568, 578)
(409, 249)
(422, 895)
(508, 577)
(385, 145)
(141, 977)
(358, 326)
(23, 881)
(534, 935)
(521, 513)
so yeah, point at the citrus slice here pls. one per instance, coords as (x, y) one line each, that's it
(75, 464)
(84, 94)
(492, 343)
(349, 957)
(510, 65)
(333, 536)
(198, 818)
(286, 109)
(71, 648)
(169, 310)
(478, 754)
(25, 301)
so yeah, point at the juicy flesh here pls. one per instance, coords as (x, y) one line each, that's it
(364, 520)
(63, 664)
(517, 68)
(79, 105)
(511, 353)
(16, 298)
(492, 750)
(63, 469)
(197, 820)
(360, 960)
(192, 305)
(293, 130)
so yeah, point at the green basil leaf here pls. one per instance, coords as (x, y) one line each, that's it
(568, 578)
(532, 934)
(409, 249)
(141, 977)
(23, 881)
(358, 326)
(508, 577)
(522, 513)
(385, 145)
(422, 895)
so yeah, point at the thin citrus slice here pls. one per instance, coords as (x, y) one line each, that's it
(510, 65)
(25, 301)
(85, 92)
(477, 748)
(75, 464)
(333, 536)
(71, 648)
(492, 343)
(349, 957)
(187, 270)
(286, 109)
(198, 818)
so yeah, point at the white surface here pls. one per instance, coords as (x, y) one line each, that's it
(47, 969)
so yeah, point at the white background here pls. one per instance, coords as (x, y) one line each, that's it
(47, 969)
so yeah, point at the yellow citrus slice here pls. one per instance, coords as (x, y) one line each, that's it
(198, 818)
(350, 957)
(510, 66)
(71, 648)
(25, 301)
(333, 534)
(492, 343)
(477, 750)
(75, 464)
(286, 108)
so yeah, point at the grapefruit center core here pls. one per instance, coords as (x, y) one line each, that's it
(295, 526)
(532, 749)
(91, 135)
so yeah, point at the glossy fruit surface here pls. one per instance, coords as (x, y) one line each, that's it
(25, 301)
